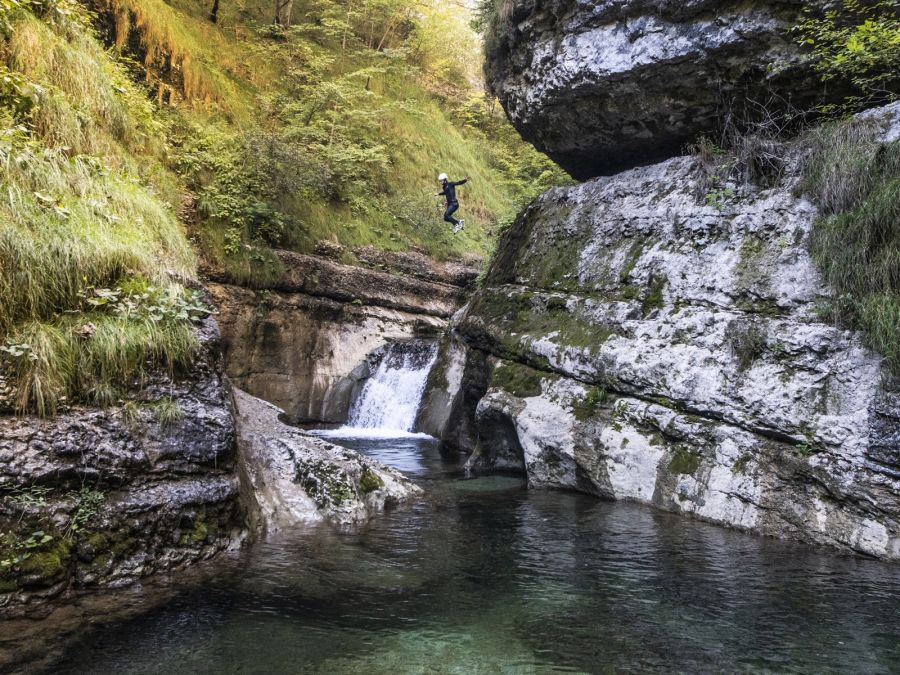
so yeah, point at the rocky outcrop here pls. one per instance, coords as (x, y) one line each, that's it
(296, 478)
(658, 336)
(458, 380)
(305, 344)
(603, 86)
(103, 497)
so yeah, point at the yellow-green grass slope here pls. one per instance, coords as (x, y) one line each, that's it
(334, 129)
(78, 150)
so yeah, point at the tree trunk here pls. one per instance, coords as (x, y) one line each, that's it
(283, 12)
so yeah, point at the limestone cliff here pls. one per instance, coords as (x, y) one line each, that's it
(655, 337)
(602, 86)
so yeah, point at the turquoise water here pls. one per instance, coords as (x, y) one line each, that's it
(483, 576)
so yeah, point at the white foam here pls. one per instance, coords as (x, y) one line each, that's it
(355, 432)
(390, 399)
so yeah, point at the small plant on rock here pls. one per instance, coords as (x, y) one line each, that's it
(747, 343)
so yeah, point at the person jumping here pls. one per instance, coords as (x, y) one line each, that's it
(449, 192)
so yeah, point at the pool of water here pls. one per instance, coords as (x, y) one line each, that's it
(483, 576)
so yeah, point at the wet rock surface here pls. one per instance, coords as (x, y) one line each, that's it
(647, 342)
(295, 478)
(303, 346)
(604, 86)
(102, 497)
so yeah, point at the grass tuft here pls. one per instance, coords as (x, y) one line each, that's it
(168, 413)
(856, 243)
(61, 361)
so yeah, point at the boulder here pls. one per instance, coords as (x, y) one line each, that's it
(293, 478)
(612, 84)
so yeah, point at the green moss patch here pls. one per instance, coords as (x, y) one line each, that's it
(684, 460)
(587, 407)
(518, 380)
(653, 300)
(370, 481)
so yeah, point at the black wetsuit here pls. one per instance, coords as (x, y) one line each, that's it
(449, 192)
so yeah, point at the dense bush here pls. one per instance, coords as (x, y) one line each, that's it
(856, 42)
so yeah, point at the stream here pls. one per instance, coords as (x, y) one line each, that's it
(482, 575)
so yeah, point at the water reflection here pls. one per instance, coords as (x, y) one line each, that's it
(484, 576)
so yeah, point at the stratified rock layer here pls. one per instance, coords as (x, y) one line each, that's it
(607, 85)
(657, 337)
(103, 497)
(304, 344)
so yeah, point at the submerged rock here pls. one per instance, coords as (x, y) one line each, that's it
(294, 478)
(658, 336)
(603, 86)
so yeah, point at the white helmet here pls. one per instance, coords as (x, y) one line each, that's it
(442, 177)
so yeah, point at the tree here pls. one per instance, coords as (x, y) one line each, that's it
(283, 12)
(857, 42)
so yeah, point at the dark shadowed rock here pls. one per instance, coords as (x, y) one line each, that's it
(607, 85)
(102, 497)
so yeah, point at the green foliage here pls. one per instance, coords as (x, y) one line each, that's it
(717, 197)
(168, 413)
(88, 357)
(856, 243)
(366, 103)
(15, 550)
(586, 407)
(69, 222)
(87, 506)
(135, 298)
(856, 41)
(653, 299)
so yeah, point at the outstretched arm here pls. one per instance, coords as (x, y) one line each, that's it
(462, 182)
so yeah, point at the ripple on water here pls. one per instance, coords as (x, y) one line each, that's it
(484, 576)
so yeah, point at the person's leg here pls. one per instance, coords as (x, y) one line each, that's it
(448, 214)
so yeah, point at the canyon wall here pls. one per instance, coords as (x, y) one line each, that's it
(662, 337)
(305, 344)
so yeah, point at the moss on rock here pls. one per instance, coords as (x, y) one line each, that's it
(370, 481)
(518, 380)
(684, 460)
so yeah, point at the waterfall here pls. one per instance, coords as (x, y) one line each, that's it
(390, 398)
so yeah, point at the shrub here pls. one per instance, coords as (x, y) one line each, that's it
(856, 42)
